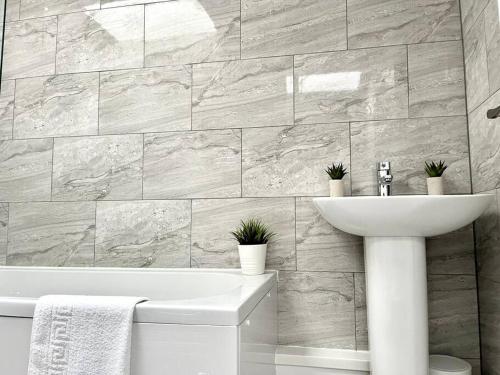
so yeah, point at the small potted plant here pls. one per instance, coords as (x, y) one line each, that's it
(336, 173)
(435, 180)
(252, 236)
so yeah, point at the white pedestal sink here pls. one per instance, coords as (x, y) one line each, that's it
(394, 230)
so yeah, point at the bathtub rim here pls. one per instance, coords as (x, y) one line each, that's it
(230, 309)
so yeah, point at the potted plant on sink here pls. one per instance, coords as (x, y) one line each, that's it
(435, 180)
(337, 172)
(253, 237)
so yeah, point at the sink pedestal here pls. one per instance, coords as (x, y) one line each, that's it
(394, 229)
(396, 282)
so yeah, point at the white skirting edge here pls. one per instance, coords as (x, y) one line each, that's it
(338, 359)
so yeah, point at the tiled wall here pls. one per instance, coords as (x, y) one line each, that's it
(481, 24)
(140, 134)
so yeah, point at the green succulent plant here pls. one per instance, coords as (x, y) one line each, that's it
(434, 169)
(253, 232)
(336, 171)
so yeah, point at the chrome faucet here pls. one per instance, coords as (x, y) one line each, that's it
(384, 178)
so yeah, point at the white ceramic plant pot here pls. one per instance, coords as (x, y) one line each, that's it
(252, 259)
(435, 186)
(337, 188)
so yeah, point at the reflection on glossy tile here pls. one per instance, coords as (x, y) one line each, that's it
(488, 241)
(145, 100)
(436, 74)
(37, 8)
(214, 219)
(29, 48)
(476, 66)
(25, 169)
(485, 147)
(12, 11)
(271, 28)
(358, 85)
(291, 161)
(4, 222)
(56, 106)
(199, 164)
(361, 315)
(190, 31)
(388, 22)
(471, 9)
(452, 253)
(109, 169)
(321, 247)
(492, 30)
(7, 109)
(243, 94)
(453, 316)
(408, 144)
(143, 234)
(489, 300)
(51, 234)
(316, 309)
(100, 40)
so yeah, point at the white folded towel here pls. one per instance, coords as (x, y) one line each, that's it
(82, 335)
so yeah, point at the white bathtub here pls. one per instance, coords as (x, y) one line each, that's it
(196, 322)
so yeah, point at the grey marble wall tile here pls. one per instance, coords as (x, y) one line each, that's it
(25, 170)
(214, 219)
(12, 11)
(197, 164)
(436, 78)
(388, 22)
(101, 40)
(488, 241)
(290, 27)
(191, 31)
(361, 315)
(145, 100)
(351, 85)
(291, 161)
(316, 309)
(453, 316)
(143, 234)
(51, 234)
(121, 3)
(37, 8)
(485, 147)
(489, 301)
(476, 65)
(4, 222)
(7, 109)
(109, 169)
(408, 144)
(56, 106)
(241, 94)
(320, 246)
(29, 48)
(492, 31)
(452, 253)
(471, 9)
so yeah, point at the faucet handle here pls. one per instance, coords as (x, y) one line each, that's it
(384, 166)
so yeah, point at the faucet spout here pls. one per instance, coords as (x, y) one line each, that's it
(385, 178)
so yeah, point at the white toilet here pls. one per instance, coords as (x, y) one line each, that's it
(446, 365)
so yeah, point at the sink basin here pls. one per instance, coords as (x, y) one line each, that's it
(394, 230)
(402, 216)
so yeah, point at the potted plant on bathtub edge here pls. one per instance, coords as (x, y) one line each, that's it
(337, 173)
(435, 180)
(253, 237)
